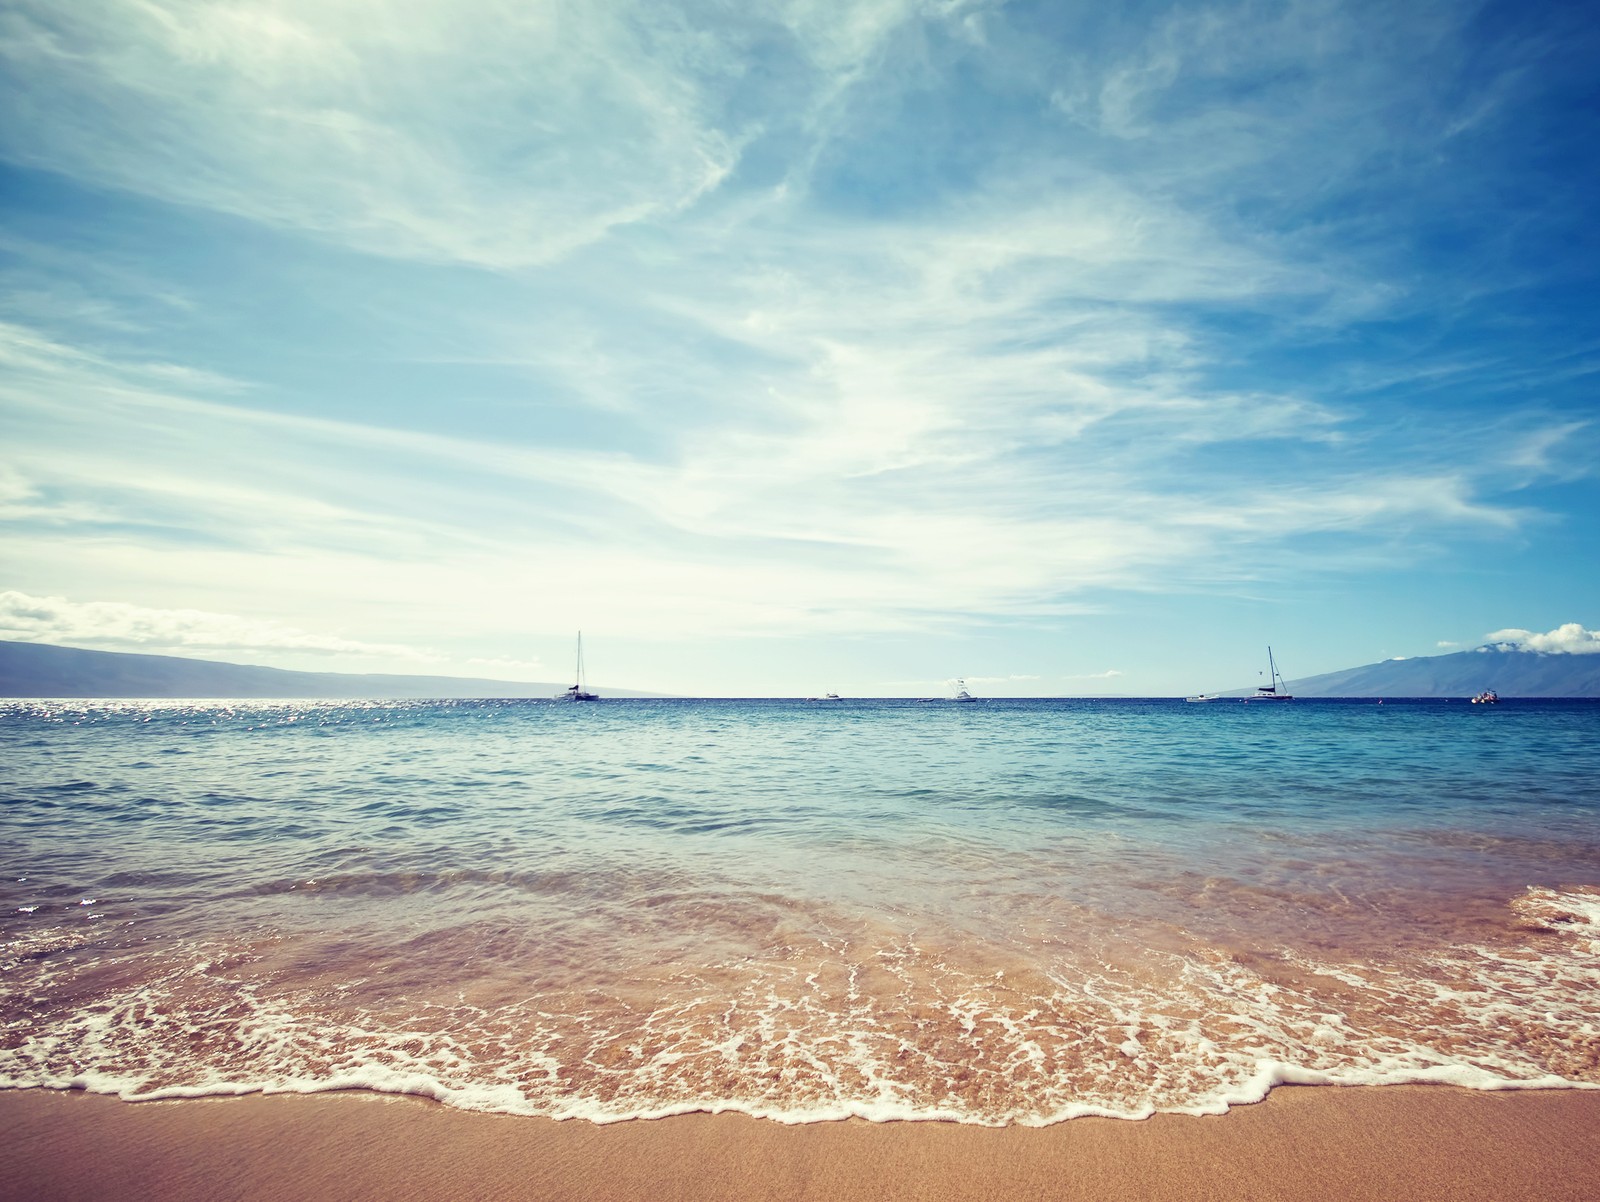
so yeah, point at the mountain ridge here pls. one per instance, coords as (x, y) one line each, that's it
(46, 670)
(1509, 672)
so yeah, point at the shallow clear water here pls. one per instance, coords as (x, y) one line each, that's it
(1003, 912)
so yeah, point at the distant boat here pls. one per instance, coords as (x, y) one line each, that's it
(961, 691)
(1205, 697)
(577, 692)
(825, 697)
(1487, 697)
(1269, 691)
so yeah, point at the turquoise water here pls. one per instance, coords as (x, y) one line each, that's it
(1014, 911)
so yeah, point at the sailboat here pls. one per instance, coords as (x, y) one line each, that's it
(577, 692)
(1269, 691)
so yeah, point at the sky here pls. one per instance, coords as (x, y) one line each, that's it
(790, 347)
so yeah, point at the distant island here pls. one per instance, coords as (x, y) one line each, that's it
(1509, 672)
(43, 670)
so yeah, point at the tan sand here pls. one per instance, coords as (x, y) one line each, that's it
(1303, 1143)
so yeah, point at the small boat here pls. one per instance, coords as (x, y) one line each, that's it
(825, 697)
(1205, 697)
(961, 691)
(1269, 691)
(577, 691)
(1487, 697)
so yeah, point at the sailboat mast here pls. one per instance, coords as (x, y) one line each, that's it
(1272, 670)
(580, 661)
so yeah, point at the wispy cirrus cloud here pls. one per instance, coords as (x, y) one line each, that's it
(919, 514)
(952, 498)
(480, 133)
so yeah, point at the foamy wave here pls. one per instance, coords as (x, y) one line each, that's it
(1575, 911)
(883, 1028)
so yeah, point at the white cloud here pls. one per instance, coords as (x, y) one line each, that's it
(479, 132)
(876, 497)
(1570, 638)
(1106, 675)
(1446, 643)
(118, 625)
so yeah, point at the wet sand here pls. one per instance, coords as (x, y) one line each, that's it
(1411, 1142)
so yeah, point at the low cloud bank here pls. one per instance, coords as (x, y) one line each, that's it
(115, 624)
(1568, 639)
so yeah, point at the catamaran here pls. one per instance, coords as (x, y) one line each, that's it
(1269, 691)
(577, 692)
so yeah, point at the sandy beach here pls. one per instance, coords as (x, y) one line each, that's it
(1412, 1142)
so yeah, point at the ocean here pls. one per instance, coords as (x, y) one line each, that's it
(1012, 912)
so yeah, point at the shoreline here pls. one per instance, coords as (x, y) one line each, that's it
(1330, 1142)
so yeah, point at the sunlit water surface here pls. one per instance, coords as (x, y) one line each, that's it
(1008, 912)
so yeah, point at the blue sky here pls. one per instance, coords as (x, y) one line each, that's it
(798, 346)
